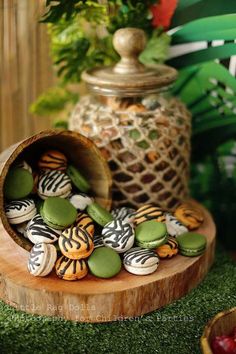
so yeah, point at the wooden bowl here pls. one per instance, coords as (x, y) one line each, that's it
(222, 324)
(81, 151)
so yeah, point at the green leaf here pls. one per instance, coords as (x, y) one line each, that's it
(216, 27)
(183, 4)
(60, 124)
(219, 52)
(210, 94)
(185, 76)
(52, 101)
(156, 50)
(189, 10)
(195, 82)
(206, 141)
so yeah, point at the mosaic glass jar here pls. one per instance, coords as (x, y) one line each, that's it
(142, 131)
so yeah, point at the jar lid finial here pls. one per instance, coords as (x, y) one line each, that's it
(129, 43)
(129, 77)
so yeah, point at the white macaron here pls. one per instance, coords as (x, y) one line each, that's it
(80, 201)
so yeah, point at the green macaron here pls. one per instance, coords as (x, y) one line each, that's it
(78, 179)
(99, 214)
(58, 213)
(104, 262)
(191, 244)
(151, 234)
(18, 184)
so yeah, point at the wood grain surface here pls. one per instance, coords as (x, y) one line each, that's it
(100, 300)
(25, 68)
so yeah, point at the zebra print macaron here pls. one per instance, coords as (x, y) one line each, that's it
(174, 226)
(54, 184)
(125, 214)
(98, 241)
(19, 211)
(52, 160)
(37, 231)
(140, 261)
(42, 259)
(118, 235)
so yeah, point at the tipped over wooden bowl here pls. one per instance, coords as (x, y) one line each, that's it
(82, 153)
(222, 324)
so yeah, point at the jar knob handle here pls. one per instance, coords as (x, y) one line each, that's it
(129, 43)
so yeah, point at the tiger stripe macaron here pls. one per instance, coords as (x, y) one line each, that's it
(71, 269)
(169, 249)
(84, 221)
(189, 215)
(76, 243)
(52, 160)
(149, 212)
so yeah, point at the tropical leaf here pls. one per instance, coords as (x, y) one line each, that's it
(200, 56)
(207, 141)
(189, 10)
(195, 83)
(216, 27)
(185, 76)
(209, 91)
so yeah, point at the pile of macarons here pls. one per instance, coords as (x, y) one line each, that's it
(52, 206)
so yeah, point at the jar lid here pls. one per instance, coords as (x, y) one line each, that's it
(129, 77)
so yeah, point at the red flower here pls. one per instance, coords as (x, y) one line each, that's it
(162, 13)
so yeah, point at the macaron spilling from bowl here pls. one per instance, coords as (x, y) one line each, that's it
(74, 235)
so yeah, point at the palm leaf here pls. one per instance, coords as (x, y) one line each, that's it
(207, 141)
(216, 27)
(209, 93)
(211, 53)
(189, 10)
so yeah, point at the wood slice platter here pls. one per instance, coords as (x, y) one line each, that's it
(97, 300)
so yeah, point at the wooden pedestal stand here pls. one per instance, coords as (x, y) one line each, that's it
(97, 300)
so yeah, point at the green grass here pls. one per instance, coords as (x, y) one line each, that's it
(174, 329)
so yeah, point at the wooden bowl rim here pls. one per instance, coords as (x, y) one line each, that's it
(20, 146)
(206, 348)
